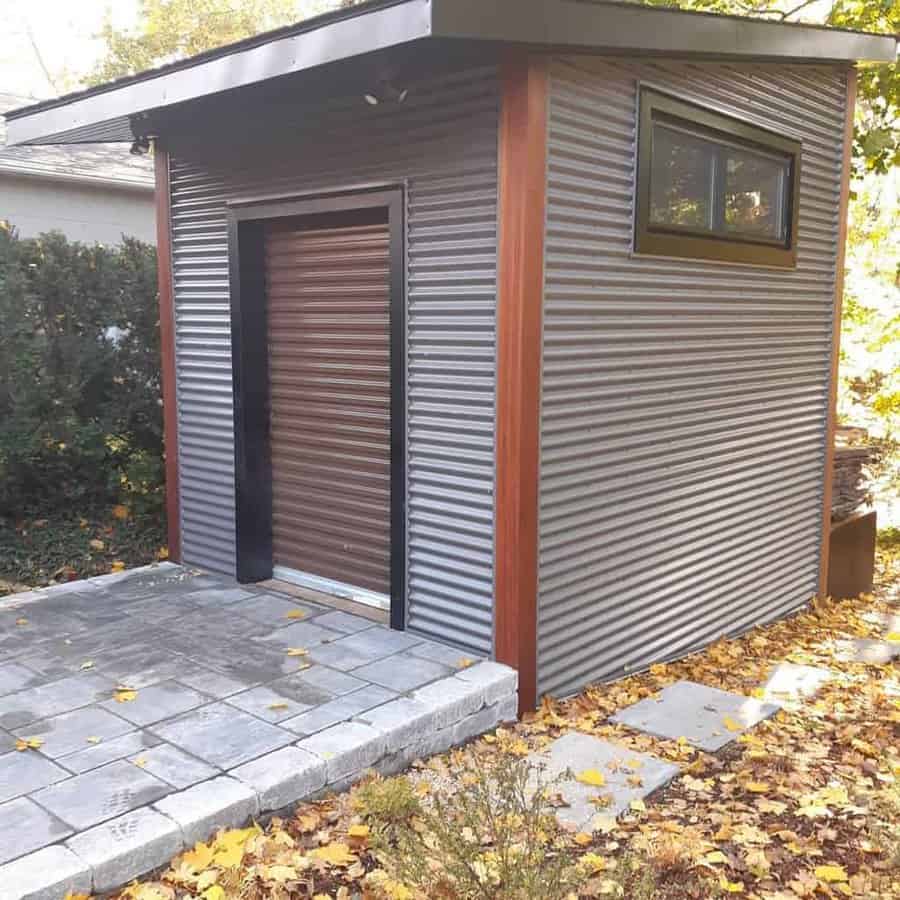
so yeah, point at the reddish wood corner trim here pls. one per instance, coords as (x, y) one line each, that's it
(522, 180)
(167, 347)
(831, 412)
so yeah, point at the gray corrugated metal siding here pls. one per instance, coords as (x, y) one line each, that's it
(683, 402)
(442, 144)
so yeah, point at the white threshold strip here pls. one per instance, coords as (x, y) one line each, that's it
(334, 588)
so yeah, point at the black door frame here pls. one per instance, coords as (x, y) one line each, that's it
(250, 374)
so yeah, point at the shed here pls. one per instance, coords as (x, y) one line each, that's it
(517, 318)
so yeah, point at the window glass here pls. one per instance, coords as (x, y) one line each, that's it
(681, 179)
(701, 183)
(755, 193)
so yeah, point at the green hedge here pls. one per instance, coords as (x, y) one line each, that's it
(80, 399)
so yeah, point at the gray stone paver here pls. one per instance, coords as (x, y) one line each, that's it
(267, 609)
(281, 699)
(866, 650)
(47, 874)
(173, 766)
(24, 771)
(587, 757)
(25, 826)
(158, 702)
(222, 735)
(339, 710)
(72, 731)
(790, 681)
(402, 672)
(14, 677)
(697, 713)
(101, 794)
(47, 700)
(105, 752)
(216, 733)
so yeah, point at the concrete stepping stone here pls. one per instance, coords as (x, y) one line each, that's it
(706, 717)
(790, 682)
(866, 650)
(625, 776)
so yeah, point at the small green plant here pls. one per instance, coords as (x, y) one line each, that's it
(388, 803)
(494, 839)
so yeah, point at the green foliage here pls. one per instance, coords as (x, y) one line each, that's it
(79, 376)
(493, 840)
(876, 145)
(173, 29)
(388, 803)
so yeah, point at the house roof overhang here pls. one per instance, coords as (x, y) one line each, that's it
(122, 110)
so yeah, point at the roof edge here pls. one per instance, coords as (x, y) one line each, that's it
(118, 184)
(597, 26)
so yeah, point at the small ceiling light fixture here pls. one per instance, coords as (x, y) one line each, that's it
(386, 91)
(140, 146)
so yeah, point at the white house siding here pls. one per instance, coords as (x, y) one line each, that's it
(683, 402)
(89, 213)
(442, 145)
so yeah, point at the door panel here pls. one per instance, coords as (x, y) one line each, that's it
(328, 291)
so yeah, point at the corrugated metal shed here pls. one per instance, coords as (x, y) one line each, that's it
(684, 403)
(442, 145)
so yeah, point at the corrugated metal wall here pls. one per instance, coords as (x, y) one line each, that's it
(442, 142)
(683, 407)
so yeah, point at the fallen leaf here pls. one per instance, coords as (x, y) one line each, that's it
(638, 806)
(582, 839)
(295, 614)
(97, 544)
(32, 743)
(464, 662)
(199, 858)
(715, 858)
(124, 695)
(335, 854)
(830, 874)
(297, 651)
(278, 707)
(141, 762)
(22, 621)
(731, 887)
(358, 831)
(731, 725)
(591, 777)
(93, 739)
(117, 566)
(120, 512)
(756, 787)
(87, 664)
(162, 553)
(893, 637)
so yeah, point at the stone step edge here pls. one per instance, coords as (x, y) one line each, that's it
(441, 715)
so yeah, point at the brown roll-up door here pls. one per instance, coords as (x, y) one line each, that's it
(327, 280)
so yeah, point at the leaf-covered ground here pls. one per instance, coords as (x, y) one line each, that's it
(806, 805)
(65, 546)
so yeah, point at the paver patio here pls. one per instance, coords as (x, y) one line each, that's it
(225, 723)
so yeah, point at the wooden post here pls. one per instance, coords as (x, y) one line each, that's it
(836, 333)
(523, 164)
(167, 346)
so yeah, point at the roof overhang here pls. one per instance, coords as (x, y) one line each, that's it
(118, 111)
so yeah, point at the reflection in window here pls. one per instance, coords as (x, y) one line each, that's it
(701, 182)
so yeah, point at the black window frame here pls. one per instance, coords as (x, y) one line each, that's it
(659, 240)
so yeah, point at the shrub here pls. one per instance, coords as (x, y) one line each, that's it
(496, 839)
(79, 376)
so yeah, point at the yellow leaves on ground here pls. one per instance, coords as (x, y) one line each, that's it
(358, 831)
(117, 566)
(295, 614)
(335, 854)
(97, 544)
(731, 887)
(123, 694)
(120, 512)
(830, 874)
(21, 621)
(591, 777)
(153, 891)
(731, 724)
(32, 743)
(757, 787)
(229, 846)
(296, 651)
(162, 553)
(893, 637)
(463, 662)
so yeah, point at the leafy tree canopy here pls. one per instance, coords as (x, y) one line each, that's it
(877, 138)
(169, 30)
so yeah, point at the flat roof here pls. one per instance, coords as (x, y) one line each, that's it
(112, 111)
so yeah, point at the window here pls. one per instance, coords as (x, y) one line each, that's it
(713, 187)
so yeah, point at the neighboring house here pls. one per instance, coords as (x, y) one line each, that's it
(90, 192)
(516, 317)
